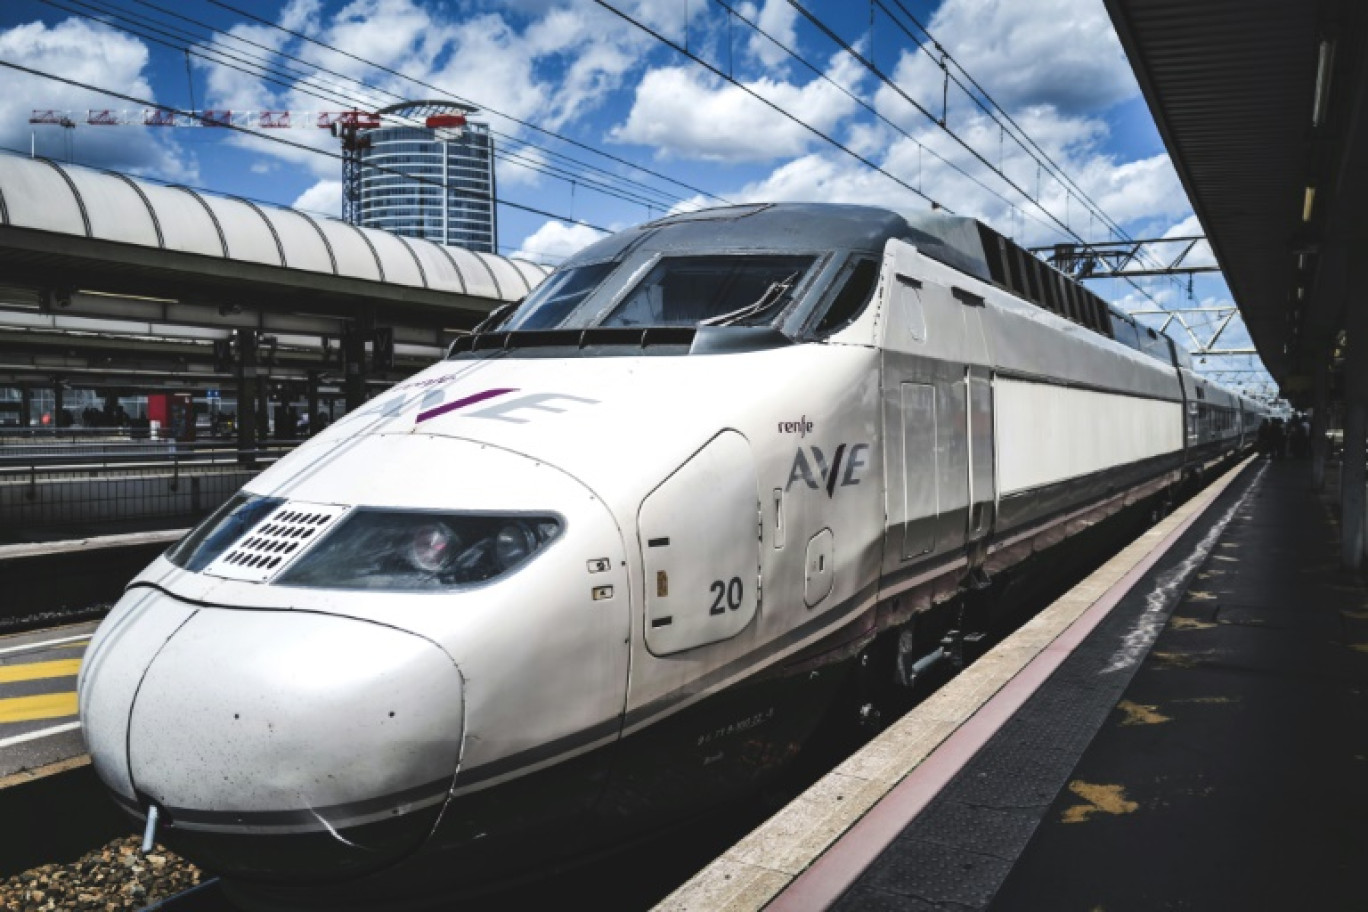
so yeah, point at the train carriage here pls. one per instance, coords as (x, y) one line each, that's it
(612, 559)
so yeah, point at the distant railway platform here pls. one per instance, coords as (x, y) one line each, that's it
(38, 724)
(49, 583)
(67, 488)
(1187, 728)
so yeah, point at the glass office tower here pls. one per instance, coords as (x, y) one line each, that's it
(436, 183)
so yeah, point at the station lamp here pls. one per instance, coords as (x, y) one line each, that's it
(1325, 59)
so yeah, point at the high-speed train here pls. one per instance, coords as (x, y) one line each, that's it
(614, 557)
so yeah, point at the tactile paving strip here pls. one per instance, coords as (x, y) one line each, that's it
(959, 850)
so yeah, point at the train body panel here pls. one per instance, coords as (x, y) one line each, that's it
(120, 651)
(647, 521)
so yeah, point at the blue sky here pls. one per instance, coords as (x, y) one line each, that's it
(572, 67)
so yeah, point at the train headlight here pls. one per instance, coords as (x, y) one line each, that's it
(514, 543)
(433, 547)
(396, 550)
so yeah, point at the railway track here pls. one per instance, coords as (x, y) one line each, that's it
(203, 897)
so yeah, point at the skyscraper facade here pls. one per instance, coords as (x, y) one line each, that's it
(430, 182)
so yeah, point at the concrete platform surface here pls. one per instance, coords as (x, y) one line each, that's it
(824, 848)
(1233, 772)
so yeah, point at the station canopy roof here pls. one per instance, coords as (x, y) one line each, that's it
(1261, 106)
(112, 280)
(66, 225)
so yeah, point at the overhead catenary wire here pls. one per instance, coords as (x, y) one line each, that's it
(316, 68)
(303, 77)
(865, 62)
(455, 97)
(304, 81)
(1019, 134)
(682, 49)
(769, 104)
(253, 67)
(883, 78)
(8, 64)
(813, 68)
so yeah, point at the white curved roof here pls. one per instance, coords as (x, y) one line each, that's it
(67, 199)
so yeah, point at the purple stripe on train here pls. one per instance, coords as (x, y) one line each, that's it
(461, 403)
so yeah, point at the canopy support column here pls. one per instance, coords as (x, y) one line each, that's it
(245, 364)
(354, 361)
(1320, 422)
(315, 418)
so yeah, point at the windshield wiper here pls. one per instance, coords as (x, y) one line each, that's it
(776, 293)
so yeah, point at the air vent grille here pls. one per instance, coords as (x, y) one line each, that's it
(269, 547)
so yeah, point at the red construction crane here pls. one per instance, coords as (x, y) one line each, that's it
(348, 126)
(163, 117)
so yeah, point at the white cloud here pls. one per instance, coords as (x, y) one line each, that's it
(681, 111)
(1201, 254)
(97, 55)
(324, 197)
(828, 178)
(1056, 90)
(776, 18)
(561, 65)
(1062, 53)
(520, 166)
(554, 241)
(1147, 188)
(1188, 227)
(595, 52)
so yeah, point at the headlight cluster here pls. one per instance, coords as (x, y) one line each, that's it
(375, 549)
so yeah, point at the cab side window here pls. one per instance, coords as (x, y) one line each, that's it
(856, 287)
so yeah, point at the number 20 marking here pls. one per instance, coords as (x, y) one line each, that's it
(730, 592)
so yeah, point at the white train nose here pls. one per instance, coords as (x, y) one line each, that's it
(337, 737)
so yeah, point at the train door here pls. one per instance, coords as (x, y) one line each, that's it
(929, 336)
(982, 481)
(913, 490)
(982, 495)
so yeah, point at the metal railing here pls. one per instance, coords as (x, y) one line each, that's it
(107, 481)
(109, 456)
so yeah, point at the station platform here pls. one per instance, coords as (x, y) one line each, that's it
(54, 583)
(39, 730)
(1186, 728)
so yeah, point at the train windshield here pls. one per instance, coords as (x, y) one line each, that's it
(550, 306)
(724, 290)
(714, 290)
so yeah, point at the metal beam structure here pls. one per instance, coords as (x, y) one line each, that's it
(1261, 105)
(1124, 259)
(1151, 257)
(1223, 317)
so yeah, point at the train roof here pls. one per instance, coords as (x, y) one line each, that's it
(953, 240)
(961, 243)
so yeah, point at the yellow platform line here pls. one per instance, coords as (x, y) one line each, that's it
(61, 668)
(43, 706)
